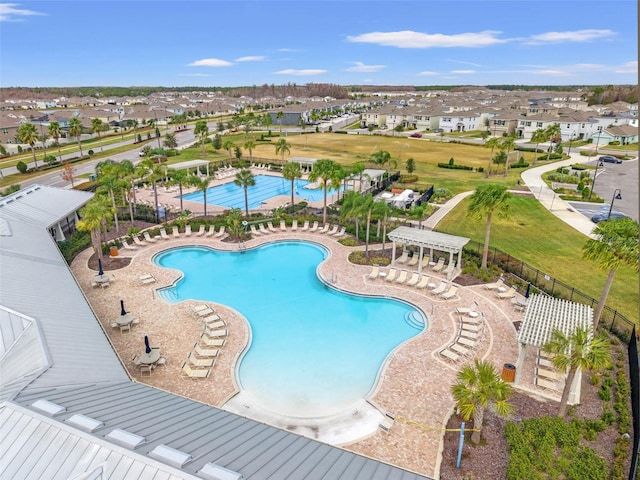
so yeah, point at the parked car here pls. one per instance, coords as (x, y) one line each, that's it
(609, 159)
(601, 217)
(416, 135)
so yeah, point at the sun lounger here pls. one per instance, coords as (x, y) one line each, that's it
(450, 268)
(271, 227)
(210, 231)
(403, 258)
(467, 310)
(423, 283)
(191, 373)
(470, 334)
(163, 234)
(466, 342)
(450, 355)
(438, 266)
(220, 232)
(139, 242)
(283, 226)
(334, 230)
(402, 278)
(148, 238)
(460, 349)
(254, 230)
(375, 272)
(201, 230)
(413, 281)
(550, 385)
(305, 227)
(440, 288)
(214, 323)
(553, 375)
(216, 333)
(187, 230)
(425, 262)
(199, 308)
(127, 246)
(340, 232)
(200, 362)
(413, 261)
(325, 228)
(205, 312)
(263, 230)
(391, 275)
(450, 293)
(205, 352)
(314, 228)
(508, 294)
(294, 226)
(145, 276)
(494, 285)
(212, 342)
(146, 279)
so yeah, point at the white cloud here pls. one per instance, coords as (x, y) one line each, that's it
(411, 39)
(210, 62)
(286, 50)
(362, 68)
(628, 67)
(194, 75)
(464, 63)
(251, 58)
(463, 72)
(577, 36)
(9, 12)
(303, 72)
(427, 73)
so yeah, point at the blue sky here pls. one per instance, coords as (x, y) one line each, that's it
(233, 43)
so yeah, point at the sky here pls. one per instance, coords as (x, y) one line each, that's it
(50, 43)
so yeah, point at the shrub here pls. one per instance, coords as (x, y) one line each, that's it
(408, 179)
(520, 164)
(9, 190)
(454, 167)
(22, 167)
(91, 152)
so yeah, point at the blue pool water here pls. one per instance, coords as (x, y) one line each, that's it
(314, 350)
(232, 196)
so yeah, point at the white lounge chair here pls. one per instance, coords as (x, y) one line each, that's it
(294, 226)
(402, 277)
(314, 227)
(146, 280)
(139, 242)
(213, 324)
(450, 293)
(163, 234)
(413, 281)
(341, 232)
(175, 232)
(413, 261)
(222, 332)
(305, 227)
(220, 232)
(211, 231)
(334, 230)
(391, 275)
(440, 288)
(127, 246)
(450, 267)
(263, 229)
(454, 357)
(212, 342)
(191, 373)
(375, 272)
(201, 362)
(254, 230)
(200, 231)
(187, 230)
(438, 266)
(423, 283)
(467, 310)
(205, 352)
(495, 285)
(271, 227)
(510, 293)
(325, 228)
(283, 226)
(148, 238)
(403, 258)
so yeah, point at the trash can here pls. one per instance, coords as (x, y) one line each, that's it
(508, 372)
(113, 251)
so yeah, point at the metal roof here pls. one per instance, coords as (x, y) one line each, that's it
(189, 164)
(206, 435)
(303, 160)
(42, 205)
(428, 238)
(544, 314)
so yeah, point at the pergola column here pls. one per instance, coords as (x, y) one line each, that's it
(393, 253)
(420, 255)
(519, 364)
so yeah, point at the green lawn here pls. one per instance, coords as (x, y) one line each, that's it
(534, 235)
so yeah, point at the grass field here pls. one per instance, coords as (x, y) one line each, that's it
(534, 235)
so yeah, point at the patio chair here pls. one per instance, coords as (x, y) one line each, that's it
(510, 293)
(283, 226)
(206, 312)
(450, 268)
(413, 261)
(460, 349)
(187, 230)
(146, 368)
(201, 230)
(263, 229)
(212, 324)
(200, 362)
(212, 342)
(325, 228)
(176, 232)
(205, 352)
(494, 285)
(402, 277)
(162, 361)
(271, 227)
(211, 231)
(375, 272)
(163, 234)
(314, 227)
(136, 360)
(139, 242)
(148, 238)
(440, 288)
(403, 258)
(438, 266)
(467, 310)
(127, 246)
(449, 355)
(254, 230)
(450, 293)
(341, 232)
(305, 227)
(220, 232)
(413, 281)
(334, 230)
(194, 373)
(105, 284)
(423, 283)
(222, 332)
(147, 281)
(294, 226)
(467, 342)
(391, 275)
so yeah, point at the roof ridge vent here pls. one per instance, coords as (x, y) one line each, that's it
(211, 471)
(85, 423)
(127, 439)
(48, 407)
(174, 457)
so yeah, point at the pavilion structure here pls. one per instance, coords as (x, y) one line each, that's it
(542, 315)
(192, 164)
(430, 240)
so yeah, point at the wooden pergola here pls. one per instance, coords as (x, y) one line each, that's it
(430, 240)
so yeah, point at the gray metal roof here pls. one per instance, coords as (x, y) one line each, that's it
(188, 164)
(428, 238)
(42, 205)
(543, 314)
(210, 435)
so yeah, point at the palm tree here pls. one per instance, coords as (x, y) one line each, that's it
(279, 117)
(170, 141)
(234, 223)
(250, 145)
(479, 387)
(201, 130)
(292, 171)
(201, 184)
(552, 131)
(153, 173)
(329, 174)
(538, 137)
(492, 143)
(27, 134)
(75, 130)
(358, 169)
(282, 147)
(352, 209)
(245, 179)
(484, 135)
(93, 216)
(486, 200)
(382, 158)
(127, 170)
(578, 350)
(228, 145)
(508, 143)
(615, 244)
(371, 208)
(180, 178)
(417, 212)
(110, 181)
(96, 127)
(55, 131)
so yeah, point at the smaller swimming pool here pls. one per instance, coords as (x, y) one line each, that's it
(266, 187)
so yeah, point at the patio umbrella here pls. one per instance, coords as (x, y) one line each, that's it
(526, 294)
(123, 312)
(146, 344)
(100, 271)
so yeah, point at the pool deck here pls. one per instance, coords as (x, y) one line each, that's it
(415, 382)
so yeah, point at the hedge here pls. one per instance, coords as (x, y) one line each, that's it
(454, 166)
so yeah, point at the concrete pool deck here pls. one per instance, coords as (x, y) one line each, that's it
(415, 382)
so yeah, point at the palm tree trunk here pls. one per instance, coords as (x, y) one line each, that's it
(204, 194)
(506, 164)
(535, 155)
(35, 160)
(366, 248)
(180, 187)
(603, 298)
(384, 231)
(292, 187)
(80, 145)
(489, 166)
(478, 418)
(487, 236)
(324, 209)
(97, 244)
(246, 202)
(562, 410)
(130, 202)
(115, 210)
(155, 198)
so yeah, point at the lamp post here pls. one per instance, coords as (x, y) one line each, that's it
(571, 141)
(593, 184)
(598, 141)
(617, 195)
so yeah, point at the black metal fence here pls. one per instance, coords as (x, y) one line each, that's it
(634, 374)
(424, 198)
(611, 319)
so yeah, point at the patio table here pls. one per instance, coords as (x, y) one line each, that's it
(124, 319)
(151, 357)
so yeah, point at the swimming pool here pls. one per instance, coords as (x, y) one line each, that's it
(232, 196)
(315, 350)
